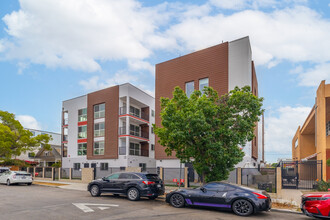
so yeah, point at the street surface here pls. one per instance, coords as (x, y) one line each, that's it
(44, 202)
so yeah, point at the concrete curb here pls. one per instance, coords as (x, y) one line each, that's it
(287, 211)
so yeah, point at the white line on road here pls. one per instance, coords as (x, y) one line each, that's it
(84, 206)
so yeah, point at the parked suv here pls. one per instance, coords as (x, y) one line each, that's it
(134, 185)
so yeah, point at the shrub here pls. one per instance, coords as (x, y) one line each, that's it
(323, 185)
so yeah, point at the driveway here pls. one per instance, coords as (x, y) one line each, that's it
(43, 202)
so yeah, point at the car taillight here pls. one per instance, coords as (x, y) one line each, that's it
(260, 196)
(14, 176)
(148, 182)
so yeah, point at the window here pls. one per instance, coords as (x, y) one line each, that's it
(99, 111)
(99, 129)
(122, 168)
(113, 176)
(328, 128)
(134, 130)
(152, 130)
(99, 148)
(190, 87)
(104, 166)
(82, 149)
(296, 143)
(82, 114)
(93, 165)
(86, 165)
(215, 186)
(76, 166)
(128, 176)
(134, 149)
(82, 131)
(134, 111)
(152, 147)
(203, 83)
(143, 166)
(152, 113)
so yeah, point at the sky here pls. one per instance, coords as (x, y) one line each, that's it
(54, 50)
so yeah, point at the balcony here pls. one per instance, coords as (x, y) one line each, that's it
(140, 115)
(138, 134)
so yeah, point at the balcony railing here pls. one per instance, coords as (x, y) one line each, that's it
(142, 134)
(123, 111)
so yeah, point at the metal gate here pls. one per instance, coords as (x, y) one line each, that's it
(301, 174)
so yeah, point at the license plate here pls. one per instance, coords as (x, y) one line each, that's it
(23, 177)
(159, 185)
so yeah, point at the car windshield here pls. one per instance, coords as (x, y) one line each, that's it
(153, 177)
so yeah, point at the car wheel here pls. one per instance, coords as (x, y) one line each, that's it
(95, 190)
(177, 200)
(242, 207)
(29, 184)
(133, 194)
(8, 182)
(153, 197)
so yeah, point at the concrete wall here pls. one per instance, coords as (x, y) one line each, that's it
(72, 106)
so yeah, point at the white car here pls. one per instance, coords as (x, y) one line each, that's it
(15, 177)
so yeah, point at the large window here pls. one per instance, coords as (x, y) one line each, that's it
(134, 149)
(190, 87)
(99, 148)
(82, 131)
(99, 129)
(99, 111)
(203, 83)
(82, 149)
(134, 111)
(134, 130)
(82, 114)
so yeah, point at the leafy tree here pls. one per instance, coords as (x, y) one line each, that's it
(58, 164)
(274, 164)
(207, 130)
(14, 139)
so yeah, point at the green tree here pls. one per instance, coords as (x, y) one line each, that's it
(207, 130)
(14, 139)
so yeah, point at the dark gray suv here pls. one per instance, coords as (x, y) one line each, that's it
(134, 185)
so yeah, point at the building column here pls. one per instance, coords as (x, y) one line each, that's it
(278, 180)
(127, 125)
(185, 177)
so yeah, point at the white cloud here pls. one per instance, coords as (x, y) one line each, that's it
(78, 34)
(282, 34)
(255, 4)
(314, 76)
(96, 82)
(141, 65)
(28, 121)
(281, 126)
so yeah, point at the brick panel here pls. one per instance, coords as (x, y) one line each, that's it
(110, 97)
(211, 62)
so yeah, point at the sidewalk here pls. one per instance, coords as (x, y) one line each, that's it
(63, 185)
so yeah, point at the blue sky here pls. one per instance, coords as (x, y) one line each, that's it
(51, 51)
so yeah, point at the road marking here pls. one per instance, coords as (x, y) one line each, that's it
(84, 206)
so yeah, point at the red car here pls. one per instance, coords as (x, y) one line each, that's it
(316, 204)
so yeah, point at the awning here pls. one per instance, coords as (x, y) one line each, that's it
(310, 157)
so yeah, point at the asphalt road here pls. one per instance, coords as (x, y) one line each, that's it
(43, 202)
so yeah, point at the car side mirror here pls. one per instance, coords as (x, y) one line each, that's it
(104, 179)
(203, 189)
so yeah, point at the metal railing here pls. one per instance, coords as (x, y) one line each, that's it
(123, 111)
(143, 134)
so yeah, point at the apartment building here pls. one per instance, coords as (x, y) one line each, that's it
(111, 127)
(312, 140)
(222, 67)
(42, 156)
